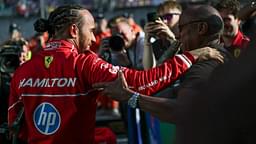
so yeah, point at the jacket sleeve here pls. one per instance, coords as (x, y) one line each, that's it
(14, 109)
(146, 82)
(15, 102)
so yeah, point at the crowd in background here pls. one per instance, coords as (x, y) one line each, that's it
(123, 42)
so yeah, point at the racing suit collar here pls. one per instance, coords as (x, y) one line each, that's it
(60, 44)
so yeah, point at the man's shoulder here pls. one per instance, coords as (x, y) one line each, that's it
(198, 74)
(203, 67)
(241, 40)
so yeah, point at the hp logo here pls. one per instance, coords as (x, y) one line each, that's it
(46, 118)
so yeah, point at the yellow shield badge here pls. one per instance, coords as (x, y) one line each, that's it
(47, 61)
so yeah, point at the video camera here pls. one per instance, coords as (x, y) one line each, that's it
(10, 58)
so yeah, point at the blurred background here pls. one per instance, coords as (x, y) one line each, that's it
(24, 12)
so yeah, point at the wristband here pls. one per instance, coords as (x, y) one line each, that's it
(133, 101)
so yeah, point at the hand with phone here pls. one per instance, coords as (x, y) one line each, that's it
(157, 28)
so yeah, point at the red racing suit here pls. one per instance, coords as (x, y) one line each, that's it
(53, 88)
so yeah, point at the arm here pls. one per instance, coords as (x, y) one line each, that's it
(15, 102)
(163, 108)
(149, 59)
(146, 82)
(17, 127)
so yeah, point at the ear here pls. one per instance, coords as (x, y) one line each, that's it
(203, 28)
(73, 31)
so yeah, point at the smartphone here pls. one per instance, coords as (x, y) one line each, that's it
(152, 16)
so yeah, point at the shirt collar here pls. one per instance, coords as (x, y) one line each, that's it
(60, 44)
(238, 40)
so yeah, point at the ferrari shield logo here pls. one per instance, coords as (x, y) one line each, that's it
(237, 52)
(47, 61)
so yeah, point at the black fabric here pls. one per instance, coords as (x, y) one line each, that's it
(4, 94)
(193, 82)
(223, 112)
(232, 102)
(197, 76)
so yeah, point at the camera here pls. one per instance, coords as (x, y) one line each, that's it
(10, 58)
(116, 42)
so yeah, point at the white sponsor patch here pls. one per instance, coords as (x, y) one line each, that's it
(48, 82)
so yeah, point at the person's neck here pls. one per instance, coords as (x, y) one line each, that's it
(73, 42)
(228, 40)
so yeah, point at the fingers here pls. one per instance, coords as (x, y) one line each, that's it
(153, 26)
(217, 55)
(210, 53)
(207, 53)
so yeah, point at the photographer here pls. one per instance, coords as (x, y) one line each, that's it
(13, 53)
(160, 31)
(125, 43)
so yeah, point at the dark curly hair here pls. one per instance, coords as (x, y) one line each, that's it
(59, 19)
(232, 5)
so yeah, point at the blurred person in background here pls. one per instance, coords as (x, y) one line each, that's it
(136, 28)
(17, 40)
(130, 44)
(234, 40)
(37, 42)
(165, 30)
(101, 31)
(13, 53)
(162, 28)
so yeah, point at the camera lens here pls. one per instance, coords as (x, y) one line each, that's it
(116, 43)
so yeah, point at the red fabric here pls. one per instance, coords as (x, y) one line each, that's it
(239, 44)
(104, 135)
(240, 41)
(57, 109)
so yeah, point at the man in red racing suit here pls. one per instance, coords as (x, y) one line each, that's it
(55, 90)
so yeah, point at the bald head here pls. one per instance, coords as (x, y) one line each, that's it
(206, 14)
